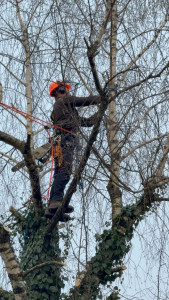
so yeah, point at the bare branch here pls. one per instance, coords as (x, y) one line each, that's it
(160, 168)
(143, 50)
(10, 111)
(8, 157)
(11, 73)
(52, 262)
(94, 46)
(142, 145)
(92, 49)
(149, 77)
(124, 8)
(17, 215)
(10, 140)
(28, 92)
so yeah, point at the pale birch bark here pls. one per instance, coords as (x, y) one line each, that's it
(162, 162)
(28, 152)
(0, 92)
(28, 91)
(11, 264)
(112, 126)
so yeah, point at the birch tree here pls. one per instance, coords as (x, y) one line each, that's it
(119, 50)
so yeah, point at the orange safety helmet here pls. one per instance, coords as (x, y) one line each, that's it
(55, 84)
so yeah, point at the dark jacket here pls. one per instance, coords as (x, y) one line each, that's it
(66, 116)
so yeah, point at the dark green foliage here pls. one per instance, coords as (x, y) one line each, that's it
(44, 282)
(115, 294)
(4, 295)
(113, 245)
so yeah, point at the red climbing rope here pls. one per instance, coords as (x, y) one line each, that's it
(33, 118)
(43, 123)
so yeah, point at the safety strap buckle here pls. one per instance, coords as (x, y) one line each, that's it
(56, 138)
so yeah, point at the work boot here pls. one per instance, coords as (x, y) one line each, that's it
(54, 205)
(48, 214)
(62, 218)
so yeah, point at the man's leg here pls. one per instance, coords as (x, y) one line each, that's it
(61, 178)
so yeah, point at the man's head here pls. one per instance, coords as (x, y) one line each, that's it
(58, 89)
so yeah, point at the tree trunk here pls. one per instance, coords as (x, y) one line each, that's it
(112, 125)
(44, 281)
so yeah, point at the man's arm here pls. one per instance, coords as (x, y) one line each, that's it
(82, 101)
(88, 122)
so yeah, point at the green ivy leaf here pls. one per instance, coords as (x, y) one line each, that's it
(53, 289)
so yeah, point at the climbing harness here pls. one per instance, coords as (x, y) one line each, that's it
(58, 150)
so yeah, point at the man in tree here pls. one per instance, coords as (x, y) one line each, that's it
(66, 117)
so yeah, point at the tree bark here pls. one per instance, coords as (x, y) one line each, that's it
(11, 264)
(112, 125)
